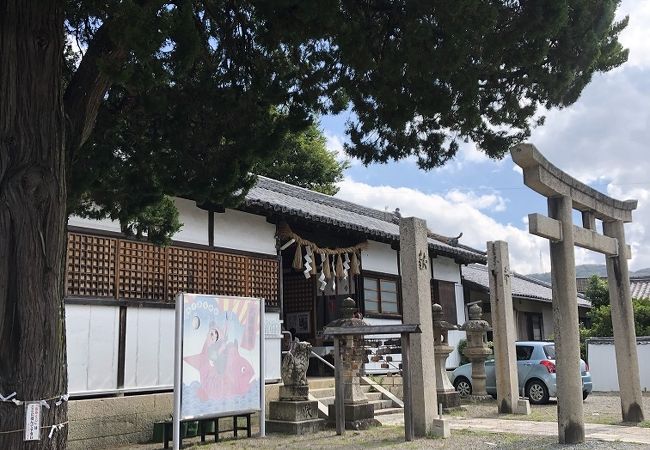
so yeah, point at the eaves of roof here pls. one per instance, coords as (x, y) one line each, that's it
(284, 199)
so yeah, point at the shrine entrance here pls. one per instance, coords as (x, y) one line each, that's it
(319, 270)
(564, 194)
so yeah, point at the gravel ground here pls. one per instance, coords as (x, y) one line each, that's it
(598, 408)
(393, 437)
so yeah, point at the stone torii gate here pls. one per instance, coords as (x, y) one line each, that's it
(564, 194)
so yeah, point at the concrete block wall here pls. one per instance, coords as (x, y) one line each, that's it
(119, 421)
(115, 421)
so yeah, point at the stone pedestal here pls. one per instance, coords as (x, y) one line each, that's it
(447, 395)
(294, 417)
(477, 350)
(358, 416)
(294, 413)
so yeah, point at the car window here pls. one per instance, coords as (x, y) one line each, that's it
(549, 350)
(524, 352)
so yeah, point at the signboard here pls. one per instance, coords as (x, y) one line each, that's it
(32, 421)
(218, 359)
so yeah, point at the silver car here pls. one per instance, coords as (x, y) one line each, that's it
(535, 369)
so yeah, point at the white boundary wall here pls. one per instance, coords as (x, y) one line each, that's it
(602, 363)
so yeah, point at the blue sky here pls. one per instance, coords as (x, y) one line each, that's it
(602, 140)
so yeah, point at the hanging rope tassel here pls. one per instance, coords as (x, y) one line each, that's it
(326, 266)
(339, 267)
(297, 258)
(355, 270)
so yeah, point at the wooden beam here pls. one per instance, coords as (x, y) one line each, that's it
(551, 229)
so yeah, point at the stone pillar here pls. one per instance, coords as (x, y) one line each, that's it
(477, 350)
(447, 395)
(627, 361)
(571, 426)
(359, 413)
(503, 324)
(416, 305)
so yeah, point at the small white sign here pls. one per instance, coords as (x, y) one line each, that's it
(33, 421)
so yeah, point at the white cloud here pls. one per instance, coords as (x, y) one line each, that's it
(603, 138)
(335, 144)
(492, 202)
(450, 217)
(635, 36)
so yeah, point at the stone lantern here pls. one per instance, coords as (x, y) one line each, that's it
(447, 395)
(477, 350)
(359, 413)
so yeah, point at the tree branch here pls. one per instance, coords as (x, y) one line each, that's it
(87, 88)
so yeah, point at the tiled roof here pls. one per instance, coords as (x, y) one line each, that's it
(275, 196)
(640, 287)
(522, 286)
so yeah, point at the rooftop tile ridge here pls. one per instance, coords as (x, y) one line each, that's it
(325, 199)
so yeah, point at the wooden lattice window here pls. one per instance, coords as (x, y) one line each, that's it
(142, 271)
(90, 266)
(188, 271)
(264, 280)
(228, 274)
(298, 292)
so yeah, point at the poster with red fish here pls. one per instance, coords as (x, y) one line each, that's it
(220, 355)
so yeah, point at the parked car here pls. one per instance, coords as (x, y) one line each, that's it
(535, 369)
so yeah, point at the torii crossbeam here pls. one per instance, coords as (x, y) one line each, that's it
(564, 194)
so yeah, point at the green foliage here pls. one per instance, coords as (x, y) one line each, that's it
(194, 95)
(601, 321)
(159, 222)
(302, 159)
(597, 291)
(462, 344)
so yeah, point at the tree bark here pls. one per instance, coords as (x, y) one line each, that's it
(32, 218)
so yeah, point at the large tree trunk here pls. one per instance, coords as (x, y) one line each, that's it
(32, 218)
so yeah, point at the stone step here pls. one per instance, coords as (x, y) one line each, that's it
(384, 411)
(320, 382)
(322, 392)
(374, 395)
(381, 404)
(327, 400)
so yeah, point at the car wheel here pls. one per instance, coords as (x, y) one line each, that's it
(463, 386)
(537, 392)
(585, 394)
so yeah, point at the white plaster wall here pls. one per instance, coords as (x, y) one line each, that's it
(149, 352)
(602, 365)
(445, 269)
(379, 257)
(243, 231)
(92, 345)
(194, 220)
(104, 224)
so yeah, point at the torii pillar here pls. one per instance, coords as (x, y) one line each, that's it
(564, 194)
